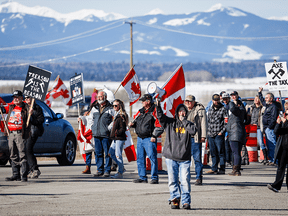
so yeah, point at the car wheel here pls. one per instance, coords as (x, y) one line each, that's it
(3, 162)
(68, 152)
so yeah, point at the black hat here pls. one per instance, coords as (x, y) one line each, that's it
(146, 97)
(234, 93)
(215, 97)
(17, 93)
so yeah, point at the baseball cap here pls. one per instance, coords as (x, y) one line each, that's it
(215, 97)
(225, 95)
(189, 98)
(234, 93)
(17, 93)
(221, 93)
(146, 97)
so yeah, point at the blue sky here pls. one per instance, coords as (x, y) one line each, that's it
(130, 8)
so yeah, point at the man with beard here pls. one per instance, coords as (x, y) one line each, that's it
(215, 133)
(102, 117)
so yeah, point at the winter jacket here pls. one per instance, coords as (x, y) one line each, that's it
(270, 114)
(102, 120)
(235, 126)
(282, 130)
(24, 115)
(216, 122)
(37, 120)
(177, 144)
(197, 115)
(119, 128)
(146, 123)
(256, 115)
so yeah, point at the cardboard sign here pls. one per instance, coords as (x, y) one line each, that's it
(76, 89)
(277, 77)
(36, 83)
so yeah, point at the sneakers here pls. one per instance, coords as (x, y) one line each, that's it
(13, 178)
(98, 174)
(30, 174)
(24, 179)
(198, 182)
(117, 176)
(35, 174)
(140, 181)
(186, 206)
(154, 181)
(211, 172)
(221, 172)
(272, 188)
(106, 175)
(175, 203)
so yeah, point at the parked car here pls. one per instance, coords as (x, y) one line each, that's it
(58, 140)
(72, 111)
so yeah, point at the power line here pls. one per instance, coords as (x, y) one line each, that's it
(65, 57)
(212, 36)
(62, 40)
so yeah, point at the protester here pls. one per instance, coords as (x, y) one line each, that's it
(94, 95)
(281, 152)
(37, 130)
(118, 136)
(197, 115)
(256, 111)
(102, 117)
(228, 151)
(177, 151)
(215, 133)
(19, 131)
(269, 121)
(147, 128)
(236, 133)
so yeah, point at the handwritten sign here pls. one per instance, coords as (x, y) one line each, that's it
(76, 88)
(36, 83)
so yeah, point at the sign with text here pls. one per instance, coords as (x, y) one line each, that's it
(277, 77)
(36, 83)
(77, 89)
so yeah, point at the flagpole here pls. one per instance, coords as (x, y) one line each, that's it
(123, 79)
(172, 75)
(54, 83)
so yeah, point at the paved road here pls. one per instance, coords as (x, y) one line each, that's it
(65, 191)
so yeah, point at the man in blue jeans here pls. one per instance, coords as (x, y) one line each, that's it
(147, 128)
(197, 115)
(215, 133)
(269, 121)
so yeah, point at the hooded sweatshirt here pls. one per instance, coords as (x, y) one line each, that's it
(177, 144)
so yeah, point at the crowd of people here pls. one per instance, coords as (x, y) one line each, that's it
(222, 124)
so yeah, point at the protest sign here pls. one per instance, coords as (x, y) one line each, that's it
(277, 77)
(36, 83)
(76, 88)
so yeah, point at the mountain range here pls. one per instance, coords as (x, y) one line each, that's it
(220, 34)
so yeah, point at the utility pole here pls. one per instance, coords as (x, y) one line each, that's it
(131, 50)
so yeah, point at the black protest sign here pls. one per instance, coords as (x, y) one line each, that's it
(36, 83)
(76, 88)
(277, 77)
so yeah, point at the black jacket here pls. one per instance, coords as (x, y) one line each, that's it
(119, 128)
(37, 120)
(270, 115)
(177, 144)
(236, 127)
(282, 131)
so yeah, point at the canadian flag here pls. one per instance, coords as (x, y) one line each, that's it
(129, 147)
(132, 86)
(2, 125)
(59, 90)
(85, 137)
(175, 92)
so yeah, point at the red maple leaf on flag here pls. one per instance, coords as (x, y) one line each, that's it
(135, 88)
(176, 102)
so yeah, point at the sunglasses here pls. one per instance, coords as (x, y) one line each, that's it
(286, 114)
(115, 105)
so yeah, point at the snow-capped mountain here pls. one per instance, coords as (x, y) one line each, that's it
(37, 34)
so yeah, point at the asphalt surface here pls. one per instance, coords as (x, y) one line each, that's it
(64, 190)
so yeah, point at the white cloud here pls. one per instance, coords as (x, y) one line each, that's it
(178, 22)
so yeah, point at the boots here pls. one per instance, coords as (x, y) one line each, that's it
(87, 170)
(15, 173)
(235, 171)
(265, 156)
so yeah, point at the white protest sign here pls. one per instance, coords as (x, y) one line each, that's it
(277, 77)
